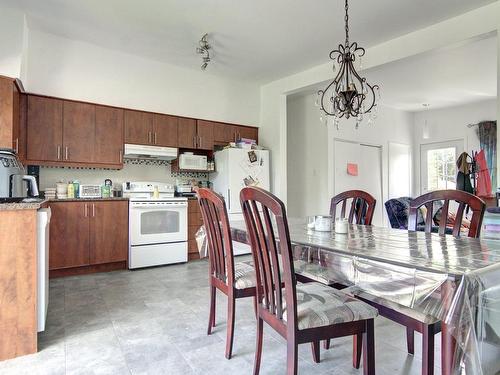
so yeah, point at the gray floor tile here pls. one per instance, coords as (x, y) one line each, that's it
(154, 321)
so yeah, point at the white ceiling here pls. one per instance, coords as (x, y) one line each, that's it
(448, 77)
(258, 40)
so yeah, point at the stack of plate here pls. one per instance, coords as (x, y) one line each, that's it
(50, 193)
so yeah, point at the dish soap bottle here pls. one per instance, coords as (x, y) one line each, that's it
(71, 190)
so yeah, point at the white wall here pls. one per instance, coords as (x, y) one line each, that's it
(310, 153)
(72, 69)
(11, 42)
(450, 124)
(307, 159)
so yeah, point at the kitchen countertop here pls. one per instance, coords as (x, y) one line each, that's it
(88, 199)
(22, 205)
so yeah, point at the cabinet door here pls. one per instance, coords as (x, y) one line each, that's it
(69, 235)
(78, 132)
(186, 134)
(44, 129)
(108, 135)
(247, 132)
(138, 127)
(224, 133)
(205, 131)
(108, 231)
(165, 130)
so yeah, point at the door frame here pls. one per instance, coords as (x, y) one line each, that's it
(420, 155)
(369, 144)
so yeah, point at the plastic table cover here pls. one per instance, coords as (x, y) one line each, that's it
(438, 278)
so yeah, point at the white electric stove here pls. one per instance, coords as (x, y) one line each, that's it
(157, 224)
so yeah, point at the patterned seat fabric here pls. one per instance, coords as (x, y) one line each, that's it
(244, 275)
(319, 305)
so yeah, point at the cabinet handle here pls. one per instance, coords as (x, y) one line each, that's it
(66, 153)
(121, 156)
(199, 144)
(58, 152)
(155, 138)
(86, 210)
(194, 141)
(17, 145)
(93, 209)
(149, 137)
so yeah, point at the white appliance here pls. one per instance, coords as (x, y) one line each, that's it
(89, 191)
(149, 152)
(43, 222)
(193, 162)
(235, 169)
(157, 224)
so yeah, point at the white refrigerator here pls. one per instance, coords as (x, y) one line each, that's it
(235, 169)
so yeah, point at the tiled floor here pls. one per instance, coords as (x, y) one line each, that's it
(154, 321)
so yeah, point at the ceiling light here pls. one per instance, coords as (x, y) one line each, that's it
(204, 50)
(349, 94)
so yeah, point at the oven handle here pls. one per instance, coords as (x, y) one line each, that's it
(158, 207)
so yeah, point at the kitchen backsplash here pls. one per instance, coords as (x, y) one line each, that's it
(132, 171)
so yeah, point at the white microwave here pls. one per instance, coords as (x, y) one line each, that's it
(193, 162)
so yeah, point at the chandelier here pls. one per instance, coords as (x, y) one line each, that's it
(349, 94)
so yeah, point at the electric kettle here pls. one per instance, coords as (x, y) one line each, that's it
(15, 184)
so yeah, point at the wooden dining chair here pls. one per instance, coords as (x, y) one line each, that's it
(427, 325)
(234, 279)
(361, 210)
(300, 313)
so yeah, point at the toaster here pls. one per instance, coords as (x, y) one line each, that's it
(90, 191)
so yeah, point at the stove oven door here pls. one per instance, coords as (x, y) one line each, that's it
(157, 222)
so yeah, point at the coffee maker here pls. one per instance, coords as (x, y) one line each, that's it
(15, 184)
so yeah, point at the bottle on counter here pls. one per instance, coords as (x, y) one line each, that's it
(76, 186)
(71, 190)
(156, 192)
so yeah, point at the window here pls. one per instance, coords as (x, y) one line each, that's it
(441, 169)
(438, 165)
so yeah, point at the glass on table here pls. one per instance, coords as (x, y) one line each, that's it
(310, 222)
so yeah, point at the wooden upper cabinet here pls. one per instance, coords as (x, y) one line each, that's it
(69, 234)
(165, 130)
(44, 136)
(205, 132)
(108, 146)
(247, 132)
(138, 127)
(108, 232)
(186, 133)
(224, 133)
(78, 132)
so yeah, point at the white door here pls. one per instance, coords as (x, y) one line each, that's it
(368, 159)
(438, 169)
(399, 170)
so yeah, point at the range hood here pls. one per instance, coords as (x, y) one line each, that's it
(150, 152)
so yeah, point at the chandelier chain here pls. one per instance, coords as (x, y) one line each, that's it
(346, 18)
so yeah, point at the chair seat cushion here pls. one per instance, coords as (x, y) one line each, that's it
(320, 305)
(244, 275)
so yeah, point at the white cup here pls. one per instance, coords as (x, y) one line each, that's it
(323, 223)
(341, 226)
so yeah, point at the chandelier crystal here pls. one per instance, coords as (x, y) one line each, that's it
(349, 94)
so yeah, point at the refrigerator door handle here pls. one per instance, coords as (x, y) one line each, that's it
(229, 199)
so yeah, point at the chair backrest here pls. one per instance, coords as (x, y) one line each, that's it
(461, 197)
(362, 206)
(265, 217)
(220, 246)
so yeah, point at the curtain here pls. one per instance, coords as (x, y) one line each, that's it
(487, 133)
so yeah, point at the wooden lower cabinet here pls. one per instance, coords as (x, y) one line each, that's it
(109, 232)
(195, 221)
(69, 235)
(88, 236)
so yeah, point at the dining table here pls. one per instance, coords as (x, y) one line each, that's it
(453, 279)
